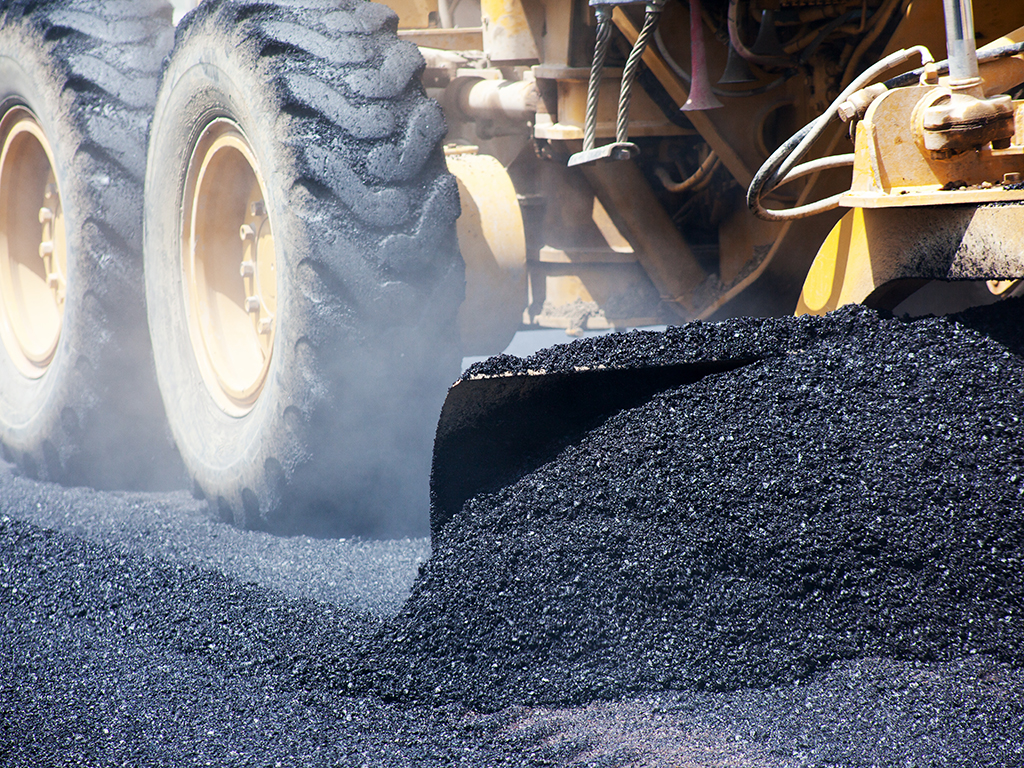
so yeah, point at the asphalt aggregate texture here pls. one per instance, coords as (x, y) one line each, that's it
(814, 559)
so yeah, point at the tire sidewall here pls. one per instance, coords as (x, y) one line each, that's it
(26, 403)
(201, 85)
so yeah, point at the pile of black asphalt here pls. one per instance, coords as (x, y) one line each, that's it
(814, 559)
(857, 491)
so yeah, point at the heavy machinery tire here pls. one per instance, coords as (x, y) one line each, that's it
(78, 396)
(302, 270)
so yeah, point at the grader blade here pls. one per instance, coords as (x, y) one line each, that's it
(494, 428)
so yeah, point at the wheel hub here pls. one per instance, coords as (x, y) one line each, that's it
(33, 245)
(229, 265)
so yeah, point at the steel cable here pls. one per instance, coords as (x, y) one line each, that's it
(651, 18)
(604, 35)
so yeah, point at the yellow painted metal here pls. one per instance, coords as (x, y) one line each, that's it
(493, 244)
(891, 167)
(413, 14)
(871, 248)
(841, 272)
(901, 194)
(229, 267)
(664, 253)
(512, 29)
(33, 245)
(463, 39)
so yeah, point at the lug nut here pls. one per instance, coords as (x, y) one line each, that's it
(45, 215)
(45, 248)
(53, 280)
(245, 232)
(248, 269)
(264, 326)
(50, 191)
(257, 208)
(252, 304)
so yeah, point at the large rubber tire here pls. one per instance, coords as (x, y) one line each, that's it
(369, 277)
(87, 72)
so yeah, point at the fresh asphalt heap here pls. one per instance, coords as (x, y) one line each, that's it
(820, 550)
(856, 491)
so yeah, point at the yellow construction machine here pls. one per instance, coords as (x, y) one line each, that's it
(272, 194)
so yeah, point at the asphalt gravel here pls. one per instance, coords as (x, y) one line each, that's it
(814, 559)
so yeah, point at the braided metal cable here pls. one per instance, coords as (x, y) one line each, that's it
(604, 35)
(651, 18)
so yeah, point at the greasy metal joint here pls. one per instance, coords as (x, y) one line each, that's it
(959, 118)
(481, 99)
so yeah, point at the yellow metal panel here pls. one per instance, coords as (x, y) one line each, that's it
(493, 245)
(841, 272)
(870, 248)
(508, 35)
(413, 14)
(464, 39)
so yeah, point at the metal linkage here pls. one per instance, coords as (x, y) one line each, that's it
(621, 148)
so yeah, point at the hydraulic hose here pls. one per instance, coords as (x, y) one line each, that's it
(781, 166)
(942, 67)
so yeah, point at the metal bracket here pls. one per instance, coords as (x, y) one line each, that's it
(624, 150)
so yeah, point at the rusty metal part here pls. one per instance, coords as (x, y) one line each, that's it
(702, 96)
(229, 267)
(494, 428)
(871, 248)
(493, 245)
(33, 245)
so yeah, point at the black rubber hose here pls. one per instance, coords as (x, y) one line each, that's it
(913, 76)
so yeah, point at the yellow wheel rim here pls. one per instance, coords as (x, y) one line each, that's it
(230, 267)
(33, 246)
